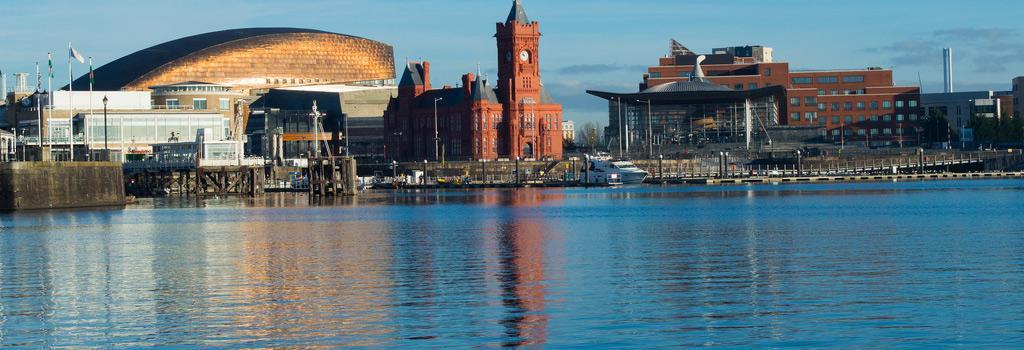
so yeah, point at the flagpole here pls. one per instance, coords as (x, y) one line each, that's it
(90, 104)
(71, 107)
(39, 112)
(49, 103)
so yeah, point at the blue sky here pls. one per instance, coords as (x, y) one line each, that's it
(595, 44)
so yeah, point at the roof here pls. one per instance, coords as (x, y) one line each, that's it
(335, 88)
(451, 97)
(481, 92)
(413, 74)
(686, 86)
(124, 70)
(666, 93)
(518, 14)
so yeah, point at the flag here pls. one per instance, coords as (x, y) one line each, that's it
(49, 57)
(75, 55)
(92, 77)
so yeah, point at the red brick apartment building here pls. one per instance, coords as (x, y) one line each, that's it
(515, 119)
(863, 104)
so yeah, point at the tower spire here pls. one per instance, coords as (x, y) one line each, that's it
(518, 14)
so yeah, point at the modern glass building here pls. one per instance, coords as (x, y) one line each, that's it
(131, 134)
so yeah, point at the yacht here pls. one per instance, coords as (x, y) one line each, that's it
(602, 169)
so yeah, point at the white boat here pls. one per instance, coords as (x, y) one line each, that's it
(602, 169)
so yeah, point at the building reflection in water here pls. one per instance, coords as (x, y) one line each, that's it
(521, 247)
(315, 280)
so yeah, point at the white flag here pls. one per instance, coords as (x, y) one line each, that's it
(77, 56)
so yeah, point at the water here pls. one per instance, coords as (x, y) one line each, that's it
(846, 265)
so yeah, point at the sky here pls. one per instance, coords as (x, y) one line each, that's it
(594, 44)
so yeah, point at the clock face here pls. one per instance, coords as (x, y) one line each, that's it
(524, 56)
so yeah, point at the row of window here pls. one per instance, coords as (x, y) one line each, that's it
(812, 116)
(198, 104)
(849, 106)
(829, 79)
(864, 132)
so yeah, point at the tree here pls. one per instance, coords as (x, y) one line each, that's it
(589, 135)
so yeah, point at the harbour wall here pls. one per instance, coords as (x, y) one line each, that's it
(53, 185)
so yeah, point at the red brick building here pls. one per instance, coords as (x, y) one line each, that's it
(863, 104)
(474, 121)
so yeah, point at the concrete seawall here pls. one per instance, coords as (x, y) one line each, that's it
(51, 185)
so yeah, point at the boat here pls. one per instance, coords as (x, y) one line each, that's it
(605, 170)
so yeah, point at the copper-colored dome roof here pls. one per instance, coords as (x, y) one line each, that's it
(250, 58)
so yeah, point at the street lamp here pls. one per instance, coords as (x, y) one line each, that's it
(106, 146)
(437, 138)
(618, 108)
(399, 142)
(650, 131)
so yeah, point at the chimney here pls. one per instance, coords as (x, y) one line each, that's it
(947, 70)
(467, 81)
(426, 75)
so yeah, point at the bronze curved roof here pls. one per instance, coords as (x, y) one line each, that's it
(249, 58)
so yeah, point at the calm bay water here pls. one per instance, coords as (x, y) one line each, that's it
(847, 265)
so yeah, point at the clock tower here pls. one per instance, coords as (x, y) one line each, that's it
(519, 76)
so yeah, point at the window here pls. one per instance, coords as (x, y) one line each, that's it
(199, 103)
(835, 132)
(887, 118)
(821, 92)
(828, 80)
(861, 132)
(834, 92)
(835, 119)
(899, 117)
(874, 131)
(172, 103)
(810, 101)
(847, 106)
(913, 117)
(835, 106)
(802, 80)
(821, 107)
(767, 72)
(846, 92)
(853, 79)
(795, 116)
(738, 87)
(874, 104)
(899, 131)
(887, 131)
(752, 86)
(860, 119)
(860, 106)
(684, 74)
(794, 101)
(912, 103)
(810, 116)
(874, 118)
(655, 75)
(225, 104)
(899, 104)
(886, 104)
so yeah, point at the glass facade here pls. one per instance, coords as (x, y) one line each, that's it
(151, 128)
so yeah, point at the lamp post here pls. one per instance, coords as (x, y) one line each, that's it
(618, 108)
(106, 146)
(399, 142)
(437, 138)
(650, 130)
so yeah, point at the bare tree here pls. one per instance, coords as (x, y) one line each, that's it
(589, 135)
